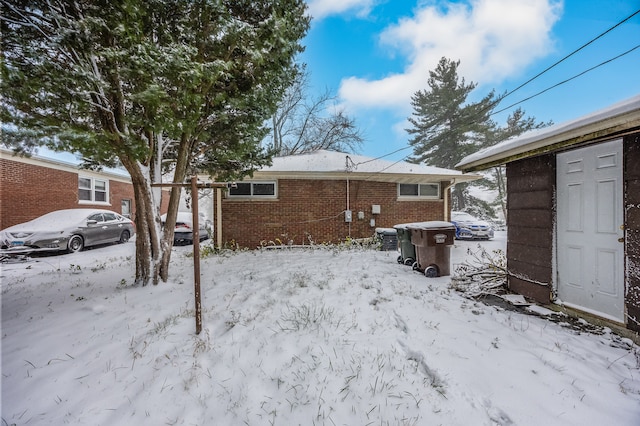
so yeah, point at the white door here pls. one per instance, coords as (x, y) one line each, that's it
(590, 253)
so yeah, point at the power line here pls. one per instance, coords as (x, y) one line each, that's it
(534, 78)
(567, 80)
(570, 54)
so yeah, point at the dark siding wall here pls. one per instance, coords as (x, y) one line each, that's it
(632, 224)
(530, 202)
(312, 210)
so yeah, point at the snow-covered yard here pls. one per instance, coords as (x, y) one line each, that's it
(293, 337)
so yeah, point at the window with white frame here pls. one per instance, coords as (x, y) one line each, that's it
(93, 190)
(253, 190)
(422, 190)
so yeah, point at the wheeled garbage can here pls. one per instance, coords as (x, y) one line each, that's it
(407, 249)
(433, 241)
(388, 238)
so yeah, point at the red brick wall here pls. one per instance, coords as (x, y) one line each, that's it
(28, 191)
(313, 210)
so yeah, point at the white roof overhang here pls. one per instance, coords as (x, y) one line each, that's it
(615, 121)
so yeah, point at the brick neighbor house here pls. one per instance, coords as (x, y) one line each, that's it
(33, 186)
(573, 201)
(329, 196)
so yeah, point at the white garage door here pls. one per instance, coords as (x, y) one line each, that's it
(590, 253)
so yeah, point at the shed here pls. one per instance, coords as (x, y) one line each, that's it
(573, 212)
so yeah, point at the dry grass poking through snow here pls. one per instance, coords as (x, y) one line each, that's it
(328, 336)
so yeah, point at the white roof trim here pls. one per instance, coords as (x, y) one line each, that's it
(617, 118)
(331, 165)
(36, 160)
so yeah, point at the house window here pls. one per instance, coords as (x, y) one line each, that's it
(92, 190)
(423, 190)
(253, 190)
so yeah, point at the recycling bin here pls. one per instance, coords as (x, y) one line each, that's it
(407, 249)
(388, 238)
(433, 241)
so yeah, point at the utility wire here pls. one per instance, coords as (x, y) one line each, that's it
(567, 80)
(570, 54)
(532, 79)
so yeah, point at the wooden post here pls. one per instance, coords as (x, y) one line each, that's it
(196, 238)
(195, 233)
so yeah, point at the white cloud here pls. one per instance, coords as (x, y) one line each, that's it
(319, 9)
(493, 39)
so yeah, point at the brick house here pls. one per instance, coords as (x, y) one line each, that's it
(573, 202)
(329, 196)
(33, 186)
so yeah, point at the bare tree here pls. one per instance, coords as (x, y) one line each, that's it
(304, 124)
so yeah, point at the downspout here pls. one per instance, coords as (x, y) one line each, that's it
(446, 199)
(348, 169)
(219, 217)
(349, 223)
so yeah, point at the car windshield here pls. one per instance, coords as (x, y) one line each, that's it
(464, 216)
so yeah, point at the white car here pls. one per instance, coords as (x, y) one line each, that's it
(183, 232)
(70, 230)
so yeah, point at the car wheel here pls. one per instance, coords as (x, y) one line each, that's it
(124, 237)
(76, 243)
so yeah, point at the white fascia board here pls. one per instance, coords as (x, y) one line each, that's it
(374, 177)
(610, 121)
(51, 163)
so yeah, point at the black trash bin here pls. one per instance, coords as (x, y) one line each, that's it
(388, 238)
(433, 241)
(407, 249)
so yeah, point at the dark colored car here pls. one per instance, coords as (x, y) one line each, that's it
(183, 233)
(469, 227)
(67, 230)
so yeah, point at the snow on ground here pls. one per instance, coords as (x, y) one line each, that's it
(293, 337)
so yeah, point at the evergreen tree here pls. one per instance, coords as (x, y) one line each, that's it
(148, 82)
(445, 127)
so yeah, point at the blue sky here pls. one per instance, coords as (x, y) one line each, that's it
(374, 54)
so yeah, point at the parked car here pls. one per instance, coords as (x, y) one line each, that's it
(183, 232)
(469, 227)
(67, 230)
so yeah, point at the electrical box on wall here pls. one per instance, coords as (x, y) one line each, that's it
(360, 215)
(347, 216)
(372, 223)
(375, 209)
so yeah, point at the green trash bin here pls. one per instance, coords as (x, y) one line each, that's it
(388, 238)
(433, 241)
(407, 249)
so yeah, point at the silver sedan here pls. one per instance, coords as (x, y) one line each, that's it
(67, 230)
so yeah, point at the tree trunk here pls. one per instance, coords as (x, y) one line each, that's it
(502, 189)
(147, 220)
(179, 175)
(458, 199)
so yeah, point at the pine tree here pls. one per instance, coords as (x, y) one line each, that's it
(147, 82)
(445, 127)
